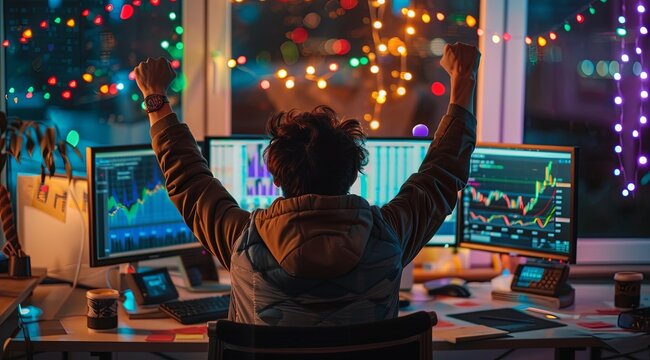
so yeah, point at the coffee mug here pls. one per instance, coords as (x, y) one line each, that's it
(627, 290)
(102, 309)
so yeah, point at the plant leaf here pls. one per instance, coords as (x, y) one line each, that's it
(30, 145)
(49, 162)
(76, 151)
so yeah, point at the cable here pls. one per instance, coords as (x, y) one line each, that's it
(83, 232)
(28, 339)
(108, 276)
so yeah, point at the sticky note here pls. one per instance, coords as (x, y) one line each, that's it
(442, 323)
(160, 337)
(189, 337)
(595, 325)
(608, 311)
(466, 304)
(192, 330)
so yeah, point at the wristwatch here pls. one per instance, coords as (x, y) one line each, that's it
(154, 102)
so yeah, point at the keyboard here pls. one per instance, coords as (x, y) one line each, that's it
(197, 310)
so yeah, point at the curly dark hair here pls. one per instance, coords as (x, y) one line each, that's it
(314, 152)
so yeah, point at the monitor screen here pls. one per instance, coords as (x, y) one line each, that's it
(390, 163)
(238, 163)
(521, 199)
(132, 217)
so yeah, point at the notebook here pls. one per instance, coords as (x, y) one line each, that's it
(467, 333)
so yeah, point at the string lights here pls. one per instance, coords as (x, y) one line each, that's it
(628, 170)
(385, 57)
(90, 75)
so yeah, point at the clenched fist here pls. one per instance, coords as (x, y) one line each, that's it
(461, 60)
(153, 76)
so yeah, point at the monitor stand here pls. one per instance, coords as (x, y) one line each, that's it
(198, 273)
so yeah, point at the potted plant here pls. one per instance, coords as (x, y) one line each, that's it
(16, 135)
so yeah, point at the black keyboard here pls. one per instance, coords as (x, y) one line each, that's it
(197, 310)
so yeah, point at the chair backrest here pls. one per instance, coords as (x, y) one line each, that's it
(407, 337)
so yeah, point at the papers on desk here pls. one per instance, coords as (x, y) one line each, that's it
(467, 333)
(193, 333)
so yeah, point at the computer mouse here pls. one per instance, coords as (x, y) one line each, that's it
(450, 290)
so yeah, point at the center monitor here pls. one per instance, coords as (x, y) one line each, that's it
(131, 215)
(239, 164)
(521, 199)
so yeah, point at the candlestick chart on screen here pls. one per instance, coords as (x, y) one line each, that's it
(519, 201)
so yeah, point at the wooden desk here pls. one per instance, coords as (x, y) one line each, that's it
(131, 334)
(21, 289)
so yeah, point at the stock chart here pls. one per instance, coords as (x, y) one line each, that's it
(239, 165)
(134, 211)
(519, 198)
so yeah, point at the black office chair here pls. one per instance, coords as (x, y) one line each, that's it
(407, 337)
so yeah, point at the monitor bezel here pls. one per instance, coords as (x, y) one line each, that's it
(571, 256)
(95, 261)
(206, 153)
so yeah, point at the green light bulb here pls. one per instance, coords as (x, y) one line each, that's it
(72, 138)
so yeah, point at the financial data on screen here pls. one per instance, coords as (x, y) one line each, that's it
(132, 211)
(239, 165)
(519, 199)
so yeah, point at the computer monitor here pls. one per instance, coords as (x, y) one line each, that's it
(521, 199)
(238, 163)
(131, 215)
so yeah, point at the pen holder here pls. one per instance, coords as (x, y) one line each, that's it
(20, 267)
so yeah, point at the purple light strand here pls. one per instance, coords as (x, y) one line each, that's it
(641, 9)
(618, 100)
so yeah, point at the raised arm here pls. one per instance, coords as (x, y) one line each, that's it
(429, 195)
(206, 206)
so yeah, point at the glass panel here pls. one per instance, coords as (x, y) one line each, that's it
(569, 101)
(69, 63)
(300, 54)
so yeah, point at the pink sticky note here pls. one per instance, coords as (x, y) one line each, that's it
(466, 304)
(595, 325)
(160, 337)
(442, 323)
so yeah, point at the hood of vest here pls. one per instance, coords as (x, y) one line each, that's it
(315, 236)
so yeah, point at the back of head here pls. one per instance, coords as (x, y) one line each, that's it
(314, 152)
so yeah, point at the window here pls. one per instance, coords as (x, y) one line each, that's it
(326, 52)
(569, 101)
(70, 62)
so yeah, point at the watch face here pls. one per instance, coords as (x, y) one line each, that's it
(154, 102)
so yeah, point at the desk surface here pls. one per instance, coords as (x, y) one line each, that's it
(21, 287)
(131, 334)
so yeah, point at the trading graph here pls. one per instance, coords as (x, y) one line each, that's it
(390, 164)
(519, 198)
(135, 212)
(239, 165)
